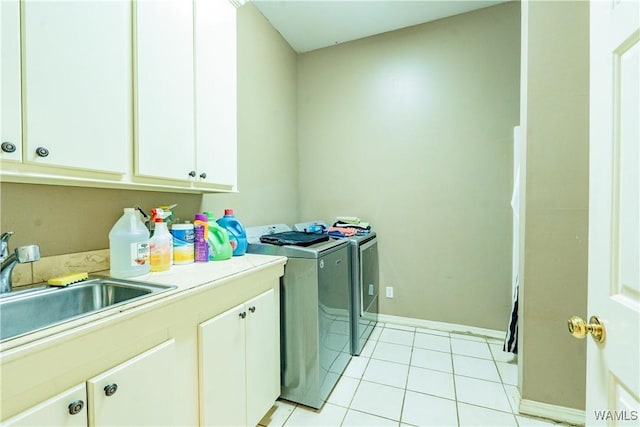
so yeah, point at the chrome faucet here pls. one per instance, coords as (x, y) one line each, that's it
(22, 254)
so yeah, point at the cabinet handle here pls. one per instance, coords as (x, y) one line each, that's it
(252, 309)
(243, 314)
(8, 147)
(76, 407)
(203, 175)
(192, 174)
(42, 152)
(110, 389)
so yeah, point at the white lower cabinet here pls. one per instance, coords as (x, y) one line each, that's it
(208, 355)
(239, 363)
(262, 337)
(68, 409)
(137, 392)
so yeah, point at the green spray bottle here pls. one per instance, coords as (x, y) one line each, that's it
(219, 246)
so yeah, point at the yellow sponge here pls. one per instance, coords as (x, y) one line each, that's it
(68, 279)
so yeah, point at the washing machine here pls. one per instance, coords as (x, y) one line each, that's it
(315, 302)
(363, 254)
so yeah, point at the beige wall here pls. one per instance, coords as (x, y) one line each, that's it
(267, 138)
(64, 220)
(555, 119)
(412, 131)
(68, 219)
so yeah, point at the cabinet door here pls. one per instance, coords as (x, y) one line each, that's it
(263, 355)
(215, 74)
(139, 392)
(77, 80)
(65, 409)
(221, 355)
(10, 91)
(164, 89)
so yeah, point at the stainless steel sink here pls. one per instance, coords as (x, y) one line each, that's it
(27, 311)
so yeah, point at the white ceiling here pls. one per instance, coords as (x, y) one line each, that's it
(313, 24)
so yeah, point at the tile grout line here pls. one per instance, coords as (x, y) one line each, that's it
(406, 382)
(495, 362)
(404, 392)
(453, 378)
(290, 414)
(501, 383)
(361, 376)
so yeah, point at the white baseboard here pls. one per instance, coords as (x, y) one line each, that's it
(440, 326)
(553, 412)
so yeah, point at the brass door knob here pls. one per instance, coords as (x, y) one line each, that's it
(580, 329)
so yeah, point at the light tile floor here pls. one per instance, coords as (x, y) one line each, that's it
(418, 377)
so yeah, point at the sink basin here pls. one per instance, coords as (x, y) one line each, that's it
(27, 311)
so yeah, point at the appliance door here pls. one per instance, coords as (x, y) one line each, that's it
(334, 320)
(367, 292)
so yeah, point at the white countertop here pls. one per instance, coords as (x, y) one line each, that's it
(188, 278)
(196, 274)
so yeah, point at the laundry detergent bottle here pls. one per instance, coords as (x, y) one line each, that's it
(237, 233)
(201, 237)
(219, 245)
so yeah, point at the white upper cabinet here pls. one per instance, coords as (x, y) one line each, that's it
(185, 92)
(10, 93)
(136, 94)
(164, 89)
(77, 84)
(216, 105)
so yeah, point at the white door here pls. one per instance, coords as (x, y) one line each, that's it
(138, 392)
(613, 373)
(221, 358)
(263, 355)
(10, 92)
(77, 84)
(68, 409)
(164, 89)
(215, 77)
